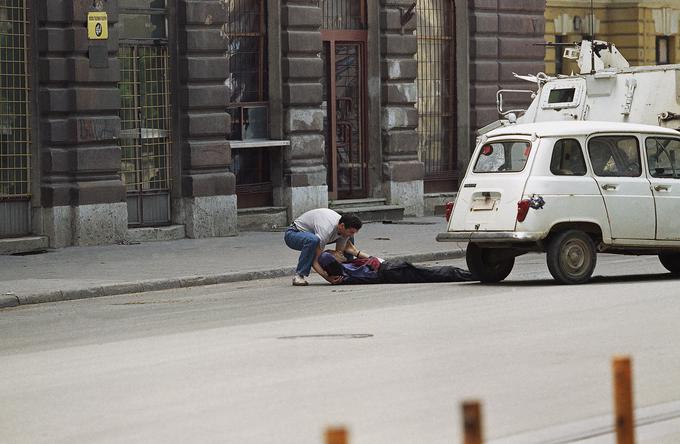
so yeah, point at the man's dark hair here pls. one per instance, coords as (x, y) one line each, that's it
(350, 220)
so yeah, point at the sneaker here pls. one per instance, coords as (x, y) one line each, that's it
(299, 281)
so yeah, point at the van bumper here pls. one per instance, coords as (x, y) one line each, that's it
(489, 236)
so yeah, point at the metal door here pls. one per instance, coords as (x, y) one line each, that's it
(15, 131)
(344, 96)
(626, 191)
(663, 155)
(145, 133)
(344, 125)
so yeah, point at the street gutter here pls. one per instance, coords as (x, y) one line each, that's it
(13, 300)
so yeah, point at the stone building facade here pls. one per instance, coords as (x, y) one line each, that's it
(646, 32)
(189, 111)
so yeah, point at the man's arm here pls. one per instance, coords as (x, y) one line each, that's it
(350, 248)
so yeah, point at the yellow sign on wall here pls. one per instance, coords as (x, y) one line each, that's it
(97, 26)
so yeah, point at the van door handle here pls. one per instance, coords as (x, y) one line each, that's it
(662, 188)
(609, 187)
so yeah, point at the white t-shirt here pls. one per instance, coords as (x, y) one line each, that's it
(322, 222)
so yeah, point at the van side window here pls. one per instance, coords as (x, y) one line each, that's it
(617, 156)
(663, 157)
(567, 158)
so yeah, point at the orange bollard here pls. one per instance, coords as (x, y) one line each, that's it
(624, 421)
(336, 435)
(472, 422)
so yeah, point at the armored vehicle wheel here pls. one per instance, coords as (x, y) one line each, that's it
(671, 261)
(572, 257)
(488, 264)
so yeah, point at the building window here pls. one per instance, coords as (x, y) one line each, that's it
(436, 93)
(15, 135)
(246, 31)
(662, 50)
(15, 119)
(145, 136)
(343, 14)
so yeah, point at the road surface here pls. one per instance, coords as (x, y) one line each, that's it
(262, 362)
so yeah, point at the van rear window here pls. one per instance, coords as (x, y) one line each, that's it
(503, 157)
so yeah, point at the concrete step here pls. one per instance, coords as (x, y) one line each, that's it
(375, 213)
(26, 244)
(262, 218)
(345, 203)
(155, 234)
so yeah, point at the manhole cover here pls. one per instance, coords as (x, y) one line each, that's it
(330, 336)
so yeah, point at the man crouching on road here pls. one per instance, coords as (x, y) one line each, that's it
(311, 232)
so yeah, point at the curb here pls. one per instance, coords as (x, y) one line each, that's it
(11, 300)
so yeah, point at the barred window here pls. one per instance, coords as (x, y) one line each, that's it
(343, 14)
(15, 134)
(246, 32)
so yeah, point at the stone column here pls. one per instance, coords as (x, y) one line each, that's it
(82, 195)
(305, 185)
(207, 202)
(402, 171)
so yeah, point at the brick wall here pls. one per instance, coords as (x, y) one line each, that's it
(207, 205)
(82, 195)
(302, 69)
(402, 172)
(79, 107)
(203, 96)
(502, 34)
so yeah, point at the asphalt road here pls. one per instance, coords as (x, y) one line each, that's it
(263, 362)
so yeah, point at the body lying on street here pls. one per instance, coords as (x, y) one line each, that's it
(373, 270)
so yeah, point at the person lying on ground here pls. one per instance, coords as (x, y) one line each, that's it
(373, 270)
(312, 231)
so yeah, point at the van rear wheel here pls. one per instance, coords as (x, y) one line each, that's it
(488, 265)
(571, 257)
(671, 261)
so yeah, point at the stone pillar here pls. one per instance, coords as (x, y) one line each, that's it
(207, 202)
(82, 195)
(402, 171)
(305, 185)
(502, 37)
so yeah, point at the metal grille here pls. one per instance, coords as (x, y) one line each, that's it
(343, 14)
(145, 118)
(15, 134)
(348, 118)
(436, 87)
(247, 51)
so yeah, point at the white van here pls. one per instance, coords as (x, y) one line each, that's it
(569, 189)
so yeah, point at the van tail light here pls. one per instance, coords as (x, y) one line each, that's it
(448, 210)
(522, 209)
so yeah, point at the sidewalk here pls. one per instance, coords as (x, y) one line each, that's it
(84, 272)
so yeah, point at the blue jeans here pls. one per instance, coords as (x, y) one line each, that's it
(306, 243)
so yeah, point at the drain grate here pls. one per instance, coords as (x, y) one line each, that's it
(330, 336)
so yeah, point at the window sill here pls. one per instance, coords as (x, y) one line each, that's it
(258, 143)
